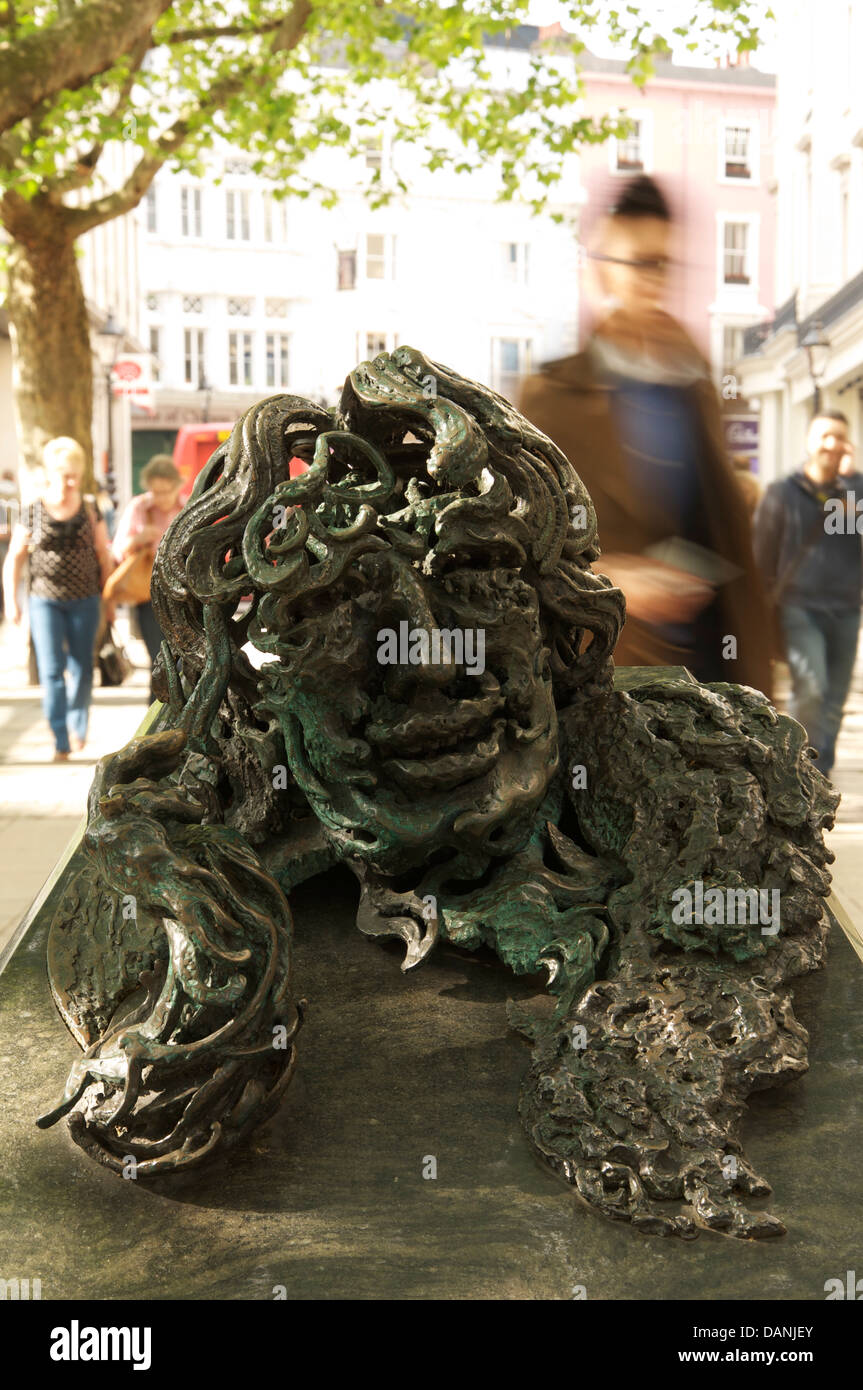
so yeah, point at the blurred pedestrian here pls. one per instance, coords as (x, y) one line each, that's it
(637, 414)
(70, 559)
(746, 481)
(809, 551)
(139, 531)
(107, 509)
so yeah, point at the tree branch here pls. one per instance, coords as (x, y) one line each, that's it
(65, 55)
(82, 171)
(122, 200)
(220, 31)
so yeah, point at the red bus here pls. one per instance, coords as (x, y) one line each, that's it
(194, 445)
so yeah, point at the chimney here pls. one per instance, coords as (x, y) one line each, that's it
(734, 59)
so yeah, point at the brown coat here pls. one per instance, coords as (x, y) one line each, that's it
(569, 403)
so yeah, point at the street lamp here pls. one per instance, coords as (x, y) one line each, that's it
(110, 336)
(817, 346)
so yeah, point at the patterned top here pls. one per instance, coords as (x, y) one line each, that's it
(64, 563)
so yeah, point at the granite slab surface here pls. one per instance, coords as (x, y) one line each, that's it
(329, 1199)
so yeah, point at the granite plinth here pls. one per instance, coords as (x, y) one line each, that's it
(329, 1199)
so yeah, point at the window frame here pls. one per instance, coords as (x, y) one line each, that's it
(231, 217)
(274, 220)
(752, 123)
(521, 264)
(526, 347)
(387, 258)
(730, 289)
(645, 118)
(240, 356)
(348, 256)
(365, 353)
(194, 353)
(281, 356)
(193, 216)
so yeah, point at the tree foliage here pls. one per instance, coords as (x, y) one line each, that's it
(168, 77)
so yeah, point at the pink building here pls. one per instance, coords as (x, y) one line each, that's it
(706, 135)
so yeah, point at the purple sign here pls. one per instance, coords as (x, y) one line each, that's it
(741, 437)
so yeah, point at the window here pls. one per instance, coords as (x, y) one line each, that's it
(238, 214)
(630, 150)
(275, 218)
(155, 346)
(738, 150)
(374, 152)
(735, 248)
(152, 302)
(276, 308)
(633, 153)
(737, 162)
(515, 261)
(277, 359)
(347, 272)
(510, 361)
(380, 256)
(732, 345)
(240, 359)
(190, 211)
(193, 304)
(193, 356)
(151, 208)
(240, 306)
(373, 343)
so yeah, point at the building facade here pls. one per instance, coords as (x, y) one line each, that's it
(819, 233)
(246, 295)
(706, 135)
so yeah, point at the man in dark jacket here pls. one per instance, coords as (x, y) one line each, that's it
(638, 416)
(808, 548)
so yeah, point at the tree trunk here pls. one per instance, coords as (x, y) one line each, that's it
(49, 330)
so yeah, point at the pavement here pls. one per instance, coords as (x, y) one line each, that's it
(42, 802)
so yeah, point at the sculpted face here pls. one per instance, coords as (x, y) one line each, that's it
(424, 589)
(403, 758)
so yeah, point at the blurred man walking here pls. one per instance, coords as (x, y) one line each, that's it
(638, 416)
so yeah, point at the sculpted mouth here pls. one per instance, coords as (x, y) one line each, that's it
(443, 725)
(449, 770)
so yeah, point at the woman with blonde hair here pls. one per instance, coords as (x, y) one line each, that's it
(70, 559)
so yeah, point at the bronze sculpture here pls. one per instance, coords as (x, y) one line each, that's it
(440, 715)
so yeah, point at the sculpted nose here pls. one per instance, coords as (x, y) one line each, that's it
(420, 660)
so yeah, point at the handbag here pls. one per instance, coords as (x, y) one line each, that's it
(114, 665)
(130, 581)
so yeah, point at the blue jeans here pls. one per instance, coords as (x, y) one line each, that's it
(821, 650)
(63, 632)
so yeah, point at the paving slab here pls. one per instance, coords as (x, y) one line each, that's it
(328, 1201)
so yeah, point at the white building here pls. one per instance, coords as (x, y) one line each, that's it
(246, 296)
(819, 243)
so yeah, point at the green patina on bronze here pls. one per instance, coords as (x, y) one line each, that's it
(431, 503)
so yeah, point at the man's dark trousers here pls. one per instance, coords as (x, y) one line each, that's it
(821, 649)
